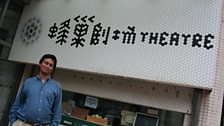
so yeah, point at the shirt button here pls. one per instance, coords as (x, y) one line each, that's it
(41, 92)
(38, 119)
(39, 109)
(41, 100)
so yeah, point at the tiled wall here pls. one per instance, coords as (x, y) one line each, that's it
(128, 90)
(211, 105)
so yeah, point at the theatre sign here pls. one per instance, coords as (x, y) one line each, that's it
(170, 41)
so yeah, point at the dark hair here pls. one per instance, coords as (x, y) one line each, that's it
(49, 56)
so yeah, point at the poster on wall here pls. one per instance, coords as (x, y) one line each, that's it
(175, 42)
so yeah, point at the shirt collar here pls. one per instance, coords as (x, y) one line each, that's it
(38, 77)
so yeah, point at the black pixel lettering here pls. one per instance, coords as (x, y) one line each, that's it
(84, 18)
(185, 38)
(81, 30)
(153, 38)
(196, 39)
(174, 38)
(116, 35)
(208, 41)
(53, 30)
(162, 38)
(63, 32)
(91, 19)
(128, 35)
(143, 36)
(96, 34)
(106, 34)
(76, 18)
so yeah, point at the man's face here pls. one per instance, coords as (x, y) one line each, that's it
(47, 66)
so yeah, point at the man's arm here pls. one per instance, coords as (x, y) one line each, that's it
(16, 105)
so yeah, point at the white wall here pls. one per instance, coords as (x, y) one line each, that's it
(132, 91)
(184, 65)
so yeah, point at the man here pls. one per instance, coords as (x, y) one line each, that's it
(39, 100)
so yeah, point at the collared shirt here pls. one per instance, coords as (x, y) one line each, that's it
(38, 102)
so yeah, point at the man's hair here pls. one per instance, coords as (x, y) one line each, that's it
(49, 56)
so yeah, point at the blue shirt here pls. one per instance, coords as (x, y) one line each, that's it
(38, 102)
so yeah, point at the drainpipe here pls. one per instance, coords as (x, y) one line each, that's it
(196, 105)
(2, 15)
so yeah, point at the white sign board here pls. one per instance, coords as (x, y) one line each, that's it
(91, 102)
(171, 41)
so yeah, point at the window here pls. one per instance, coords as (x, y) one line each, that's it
(124, 111)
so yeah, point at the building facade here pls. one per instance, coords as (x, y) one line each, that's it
(161, 58)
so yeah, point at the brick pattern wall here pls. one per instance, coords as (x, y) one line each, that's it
(211, 107)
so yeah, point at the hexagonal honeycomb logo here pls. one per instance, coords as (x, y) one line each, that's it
(31, 30)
